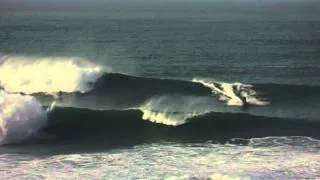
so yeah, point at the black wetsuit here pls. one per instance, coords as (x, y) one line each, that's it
(244, 100)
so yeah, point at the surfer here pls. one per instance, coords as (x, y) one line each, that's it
(244, 100)
(59, 95)
(241, 94)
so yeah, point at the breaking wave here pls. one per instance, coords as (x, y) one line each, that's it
(174, 110)
(61, 83)
(20, 117)
(50, 75)
(32, 75)
(233, 93)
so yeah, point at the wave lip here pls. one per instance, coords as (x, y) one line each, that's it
(20, 117)
(174, 110)
(46, 74)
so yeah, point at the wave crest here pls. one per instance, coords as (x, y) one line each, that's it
(169, 110)
(47, 74)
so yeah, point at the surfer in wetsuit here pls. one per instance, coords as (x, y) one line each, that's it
(58, 95)
(241, 94)
(244, 101)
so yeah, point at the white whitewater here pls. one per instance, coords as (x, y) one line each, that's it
(165, 117)
(47, 74)
(232, 93)
(174, 110)
(20, 117)
(295, 158)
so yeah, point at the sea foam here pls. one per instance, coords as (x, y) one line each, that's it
(21, 116)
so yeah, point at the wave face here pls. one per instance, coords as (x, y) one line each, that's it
(30, 75)
(20, 117)
(117, 125)
(130, 91)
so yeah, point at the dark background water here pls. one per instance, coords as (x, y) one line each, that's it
(248, 41)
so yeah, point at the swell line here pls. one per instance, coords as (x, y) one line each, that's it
(71, 122)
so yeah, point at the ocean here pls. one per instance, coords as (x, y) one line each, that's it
(160, 89)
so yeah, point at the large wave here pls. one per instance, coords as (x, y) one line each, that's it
(50, 75)
(78, 124)
(20, 117)
(165, 101)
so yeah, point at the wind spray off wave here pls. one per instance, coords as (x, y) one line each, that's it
(47, 74)
(174, 110)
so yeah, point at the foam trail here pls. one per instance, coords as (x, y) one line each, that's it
(47, 74)
(20, 117)
(232, 93)
(169, 111)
